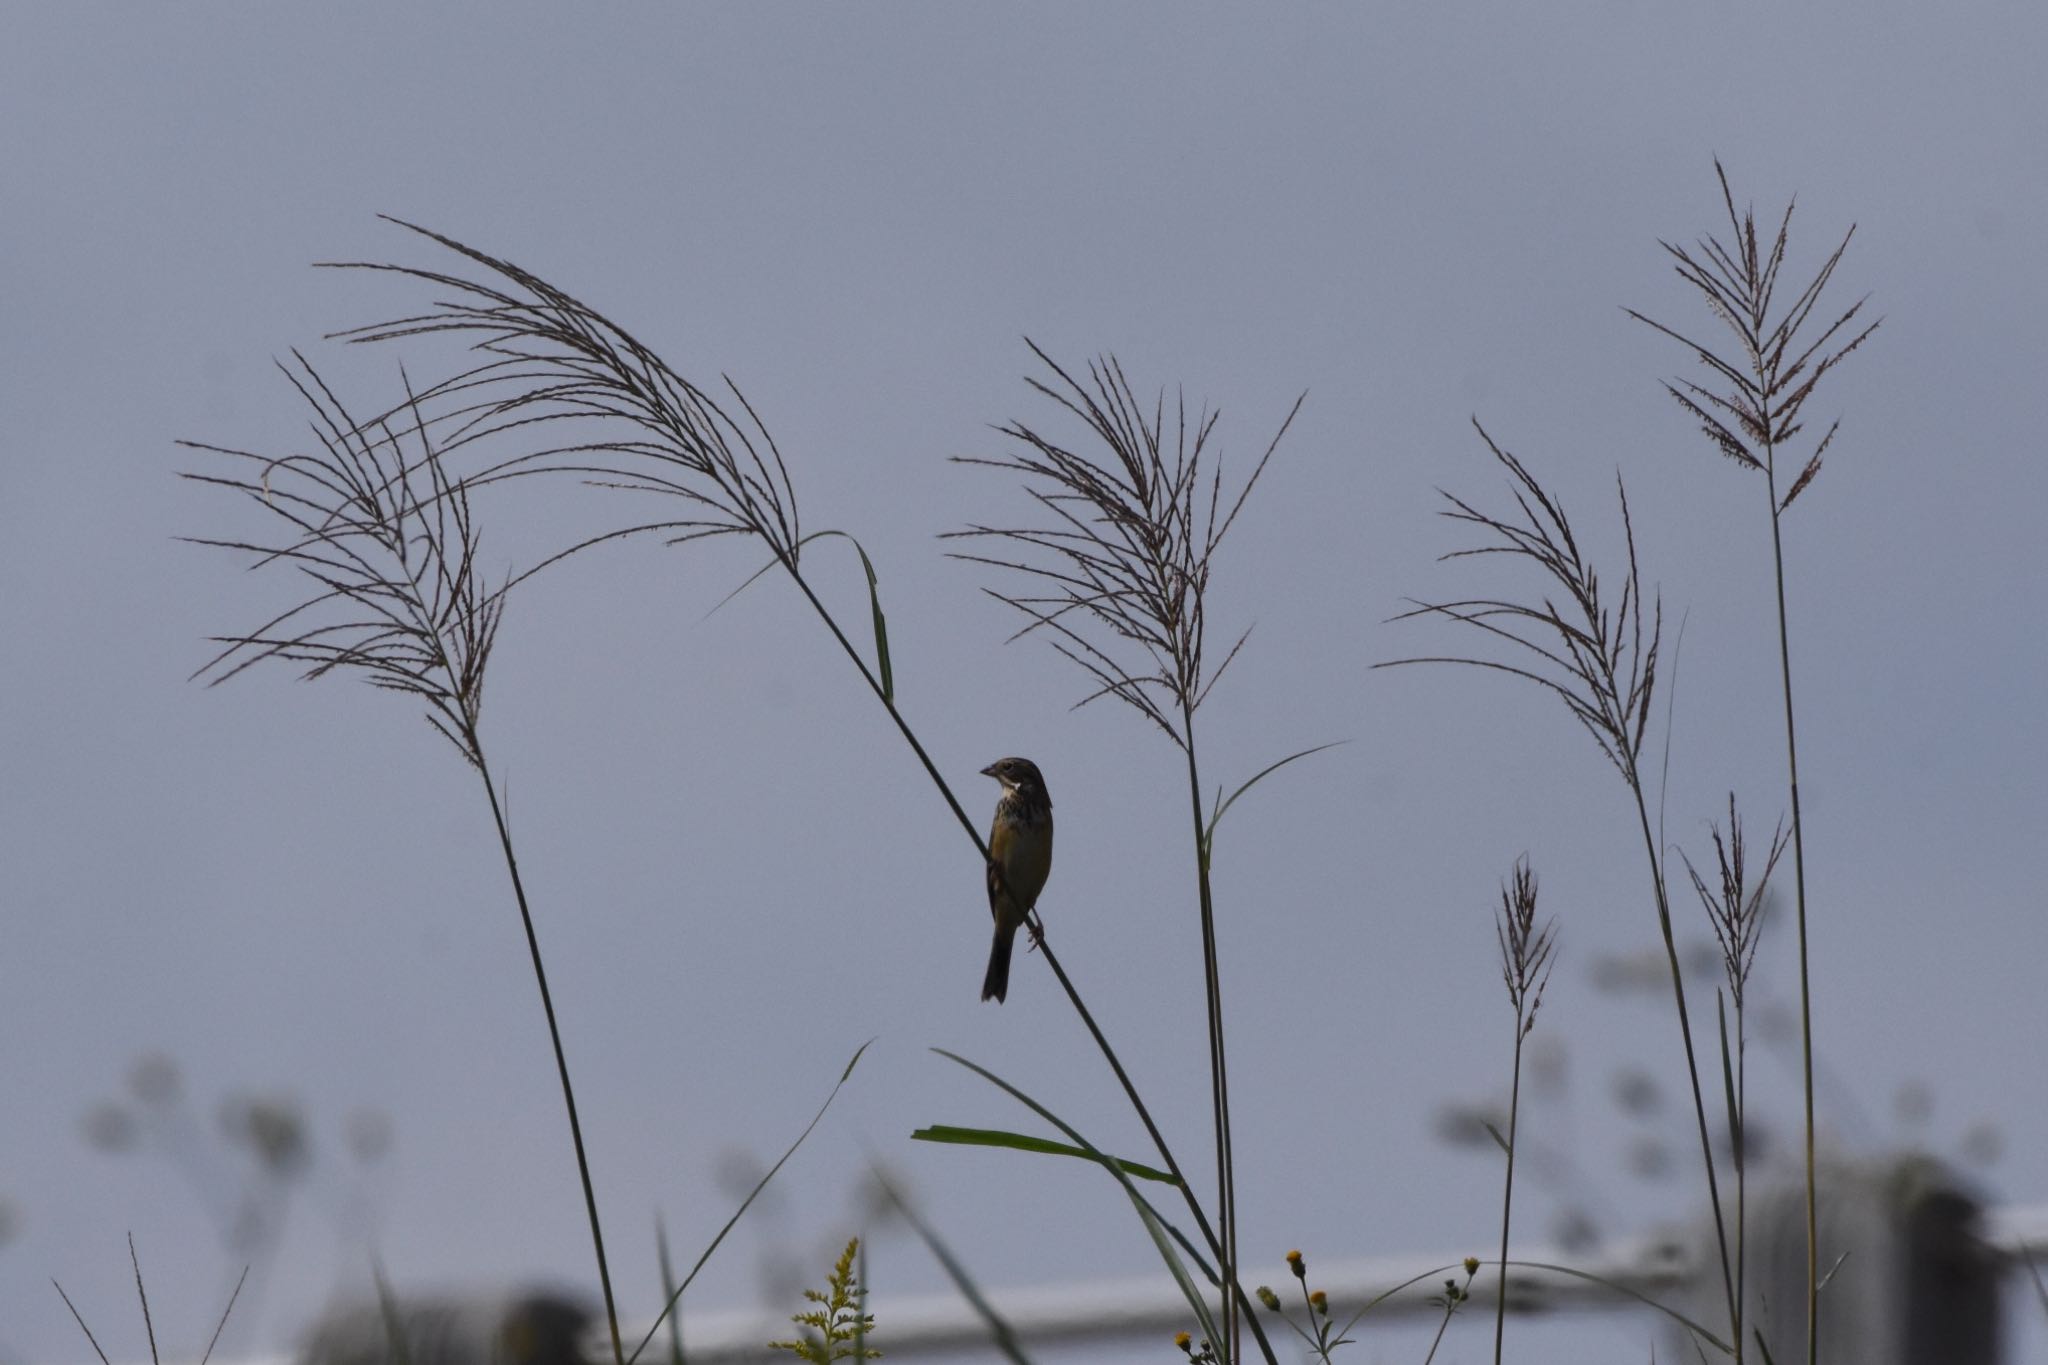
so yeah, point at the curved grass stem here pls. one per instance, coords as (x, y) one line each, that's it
(1237, 1304)
(547, 1002)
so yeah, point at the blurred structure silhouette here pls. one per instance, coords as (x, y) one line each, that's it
(528, 1328)
(1908, 1277)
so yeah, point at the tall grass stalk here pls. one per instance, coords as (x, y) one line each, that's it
(1599, 657)
(1736, 911)
(1751, 410)
(1117, 582)
(386, 540)
(1527, 953)
(590, 401)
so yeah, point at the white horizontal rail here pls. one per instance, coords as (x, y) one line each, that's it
(1101, 1310)
(941, 1325)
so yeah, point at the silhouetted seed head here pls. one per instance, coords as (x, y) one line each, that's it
(1595, 654)
(1118, 570)
(1735, 908)
(1751, 406)
(1527, 949)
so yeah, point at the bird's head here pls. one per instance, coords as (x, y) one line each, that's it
(1015, 773)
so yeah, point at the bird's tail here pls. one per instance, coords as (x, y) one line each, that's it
(996, 985)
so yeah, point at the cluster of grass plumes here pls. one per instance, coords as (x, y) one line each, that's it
(1752, 411)
(1118, 580)
(1602, 663)
(1112, 566)
(561, 391)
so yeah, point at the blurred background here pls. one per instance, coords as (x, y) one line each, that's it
(266, 1001)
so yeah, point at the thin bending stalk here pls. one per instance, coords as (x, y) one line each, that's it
(1799, 884)
(1507, 1197)
(1699, 1105)
(1234, 1295)
(547, 1004)
(1219, 1074)
(1741, 1173)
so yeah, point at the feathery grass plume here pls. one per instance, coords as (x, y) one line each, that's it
(573, 393)
(1754, 405)
(1527, 949)
(387, 548)
(1752, 409)
(1122, 571)
(1527, 953)
(1734, 907)
(1736, 910)
(627, 420)
(1598, 655)
(1595, 655)
(385, 538)
(1117, 579)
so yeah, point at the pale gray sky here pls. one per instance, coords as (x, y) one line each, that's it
(1416, 213)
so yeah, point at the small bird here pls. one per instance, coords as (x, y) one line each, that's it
(1020, 856)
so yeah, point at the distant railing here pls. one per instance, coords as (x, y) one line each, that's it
(1919, 1280)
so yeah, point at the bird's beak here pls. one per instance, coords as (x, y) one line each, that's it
(989, 771)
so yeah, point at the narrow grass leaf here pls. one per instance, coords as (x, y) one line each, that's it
(1024, 1142)
(1216, 818)
(80, 1320)
(883, 665)
(748, 1202)
(992, 1137)
(218, 1327)
(1618, 1287)
(668, 1290)
(1004, 1339)
(1385, 1294)
(387, 1308)
(2029, 1258)
(1728, 1074)
(143, 1294)
(1152, 1223)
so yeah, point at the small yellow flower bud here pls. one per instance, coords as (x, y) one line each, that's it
(1269, 1298)
(1181, 1339)
(1295, 1263)
(1320, 1302)
(1471, 1265)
